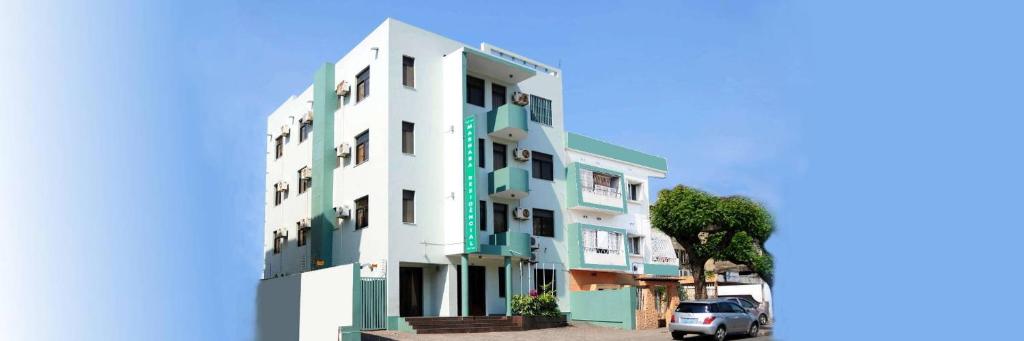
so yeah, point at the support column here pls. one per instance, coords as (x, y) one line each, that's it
(325, 102)
(508, 286)
(465, 285)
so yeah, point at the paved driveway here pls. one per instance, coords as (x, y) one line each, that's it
(579, 331)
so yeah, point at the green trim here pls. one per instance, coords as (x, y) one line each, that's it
(354, 331)
(514, 244)
(661, 269)
(465, 285)
(615, 152)
(398, 323)
(575, 247)
(504, 121)
(325, 103)
(500, 60)
(508, 285)
(613, 308)
(508, 179)
(574, 189)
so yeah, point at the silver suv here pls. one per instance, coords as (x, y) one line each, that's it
(715, 317)
(758, 309)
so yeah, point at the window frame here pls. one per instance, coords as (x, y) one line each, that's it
(362, 211)
(539, 276)
(482, 219)
(279, 242)
(494, 92)
(537, 216)
(634, 195)
(481, 154)
(363, 139)
(538, 162)
(410, 139)
(279, 147)
(304, 184)
(410, 200)
(305, 129)
(409, 71)
(363, 84)
(494, 155)
(303, 237)
(501, 281)
(503, 213)
(537, 107)
(470, 87)
(634, 249)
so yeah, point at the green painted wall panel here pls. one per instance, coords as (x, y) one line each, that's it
(325, 103)
(661, 270)
(614, 308)
(598, 147)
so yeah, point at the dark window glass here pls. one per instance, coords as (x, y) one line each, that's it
(408, 138)
(408, 206)
(363, 84)
(540, 110)
(303, 235)
(279, 196)
(634, 191)
(693, 308)
(497, 95)
(481, 160)
(474, 91)
(304, 182)
(408, 71)
(362, 212)
(543, 166)
(279, 147)
(543, 223)
(362, 147)
(278, 243)
(482, 211)
(304, 130)
(735, 308)
(501, 282)
(542, 277)
(500, 218)
(500, 156)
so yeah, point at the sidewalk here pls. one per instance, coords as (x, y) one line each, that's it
(575, 331)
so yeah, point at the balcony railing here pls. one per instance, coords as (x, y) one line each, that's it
(610, 192)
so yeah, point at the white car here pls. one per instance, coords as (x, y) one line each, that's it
(717, 318)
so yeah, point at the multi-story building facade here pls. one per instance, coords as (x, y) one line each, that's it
(447, 171)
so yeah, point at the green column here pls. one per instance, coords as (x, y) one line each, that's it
(465, 284)
(508, 286)
(325, 102)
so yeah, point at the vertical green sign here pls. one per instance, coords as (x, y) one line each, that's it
(469, 183)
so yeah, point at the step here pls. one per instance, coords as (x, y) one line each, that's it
(461, 323)
(467, 330)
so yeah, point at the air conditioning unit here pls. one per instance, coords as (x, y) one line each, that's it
(534, 243)
(520, 99)
(342, 89)
(305, 222)
(533, 257)
(343, 212)
(282, 186)
(521, 213)
(521, 154)
(285, 130)
(282, 233)
(344, 150)
(306, 173)
(308, 117)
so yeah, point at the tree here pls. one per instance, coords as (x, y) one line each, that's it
(732, 228)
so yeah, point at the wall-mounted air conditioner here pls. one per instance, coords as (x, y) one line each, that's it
(306, 173)
(305, 222)
(344, 150)
(343, 212)
(342, 89)
(308, 117)
(534, 243)
(521, 213)
(521, 154)
(285, 130)
(282, 233)
(282, 186)
(520, 98)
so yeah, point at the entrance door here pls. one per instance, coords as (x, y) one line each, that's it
(477, 290)
(410, 291)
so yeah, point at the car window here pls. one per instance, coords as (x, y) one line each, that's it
(736, 308)
(720, 308)
(745, 304)
(693, 308)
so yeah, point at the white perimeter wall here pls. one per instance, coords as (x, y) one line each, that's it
(307, 306)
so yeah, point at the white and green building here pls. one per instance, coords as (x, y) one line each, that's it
(444, 175)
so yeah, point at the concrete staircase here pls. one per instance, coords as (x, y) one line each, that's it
(462, 324)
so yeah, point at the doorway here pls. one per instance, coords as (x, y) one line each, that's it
(410, 289)
(477, 290)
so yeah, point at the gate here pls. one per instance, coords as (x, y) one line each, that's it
(374, 303)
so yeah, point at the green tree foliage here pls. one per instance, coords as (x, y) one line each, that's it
(732, 228)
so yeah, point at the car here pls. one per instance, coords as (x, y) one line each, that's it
(717, 318)
(753, 307)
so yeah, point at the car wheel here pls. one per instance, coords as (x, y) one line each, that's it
(753, 330)
(763, 319)
(678, 335)
(720, 333)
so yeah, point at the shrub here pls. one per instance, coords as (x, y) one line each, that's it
(536, 304)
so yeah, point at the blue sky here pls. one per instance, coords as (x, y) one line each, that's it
(884, 137)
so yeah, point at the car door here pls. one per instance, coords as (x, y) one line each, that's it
(724, 312)
(741, 318)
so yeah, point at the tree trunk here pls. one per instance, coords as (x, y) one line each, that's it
(697, 268)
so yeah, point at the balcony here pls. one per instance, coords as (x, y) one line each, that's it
(508, 183)
(515, 244)
(507, 122)
(597, 189)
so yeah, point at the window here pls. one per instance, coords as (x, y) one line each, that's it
(634, 192)
(497, 95)
(604, 242)
(279, 195)
(600, 183)
(362, 212)
(543, 166)
(483, 215)
(362, 147)
(278, 242)
(634, 246)
(542, 277)
(305, 180)
(693, 308)
(408, 206)
(304, 129)
(500, 157)
(408, 71)
(540, 110)
(363, 84)
(279, 147)
(500, 218)
(475, 91)
(543, 223)
(501, 282)
(303, 235)
(408, 141)
(480, 156)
